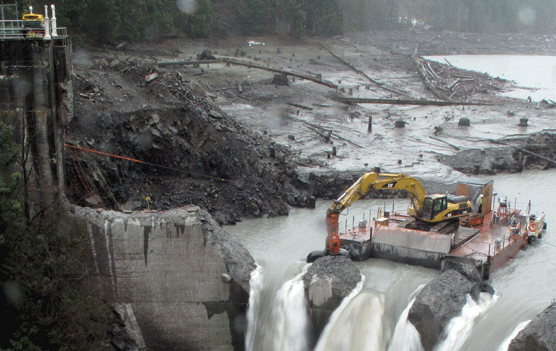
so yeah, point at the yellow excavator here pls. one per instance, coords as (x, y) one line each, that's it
(426, 209)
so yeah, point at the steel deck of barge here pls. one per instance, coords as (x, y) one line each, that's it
(489, 245)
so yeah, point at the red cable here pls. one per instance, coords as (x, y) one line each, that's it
(103, 153)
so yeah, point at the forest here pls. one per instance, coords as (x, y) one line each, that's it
(114, 21)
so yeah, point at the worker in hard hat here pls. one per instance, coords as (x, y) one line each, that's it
(479, 203)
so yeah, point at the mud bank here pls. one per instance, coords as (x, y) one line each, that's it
(514, 155)
(178, 152)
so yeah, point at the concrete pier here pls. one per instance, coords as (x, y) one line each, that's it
(36, 98)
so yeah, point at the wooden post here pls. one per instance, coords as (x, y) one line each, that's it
(370, 127)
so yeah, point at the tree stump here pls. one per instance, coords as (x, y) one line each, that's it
(464, 122)
(280, 79)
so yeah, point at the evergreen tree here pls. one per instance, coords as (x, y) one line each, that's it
(50, 299)
(199, 24)
(324, 17)
(101, 20)
(292, 12)
(254, 19)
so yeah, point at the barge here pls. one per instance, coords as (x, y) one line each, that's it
(478, 239)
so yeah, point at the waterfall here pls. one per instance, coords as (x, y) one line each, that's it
(255, 287)
(406, 337)
(289, 316)
(506, 343)
(460, 327)
(286, 327)
(352, 324)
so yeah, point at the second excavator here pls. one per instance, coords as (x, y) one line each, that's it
(428, 210)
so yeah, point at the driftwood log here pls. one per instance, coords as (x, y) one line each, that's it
(325, 130)
(364, 74)
(248, 64)
(300, 106)
(349, 100)
(421, 69)
(445, 142)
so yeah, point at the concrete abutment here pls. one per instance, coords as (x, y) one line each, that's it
(171, 270)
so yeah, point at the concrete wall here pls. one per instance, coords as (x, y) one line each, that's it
(411, 247)
(407, 255)
(184, 278)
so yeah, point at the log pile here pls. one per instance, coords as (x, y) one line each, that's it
(449, 83)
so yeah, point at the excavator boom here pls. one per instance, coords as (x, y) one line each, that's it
(380, 181)
(444, 209)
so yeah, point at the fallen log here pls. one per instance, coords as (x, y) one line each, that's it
(348, 141)
(429, 85)
(270, 69)
(445, 142)
(184, 63)
(432, 70)
(364, 74)
(320, 131)
(325, 129)
(250, 65)
(350, 100)
(492, 86)
(300, 106)
(422, 141)
(453, 84)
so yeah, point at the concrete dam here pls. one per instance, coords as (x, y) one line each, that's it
(182, 282)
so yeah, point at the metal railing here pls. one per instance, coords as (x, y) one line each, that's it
(14, 29)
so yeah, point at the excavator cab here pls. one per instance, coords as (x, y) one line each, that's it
(433, 205)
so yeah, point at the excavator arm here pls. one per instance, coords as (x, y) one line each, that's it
(359, 188)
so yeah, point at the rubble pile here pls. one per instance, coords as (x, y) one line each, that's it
(174, 149)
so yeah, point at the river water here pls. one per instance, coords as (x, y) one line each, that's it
(375, 316)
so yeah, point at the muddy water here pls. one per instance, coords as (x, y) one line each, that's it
(371, 320)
